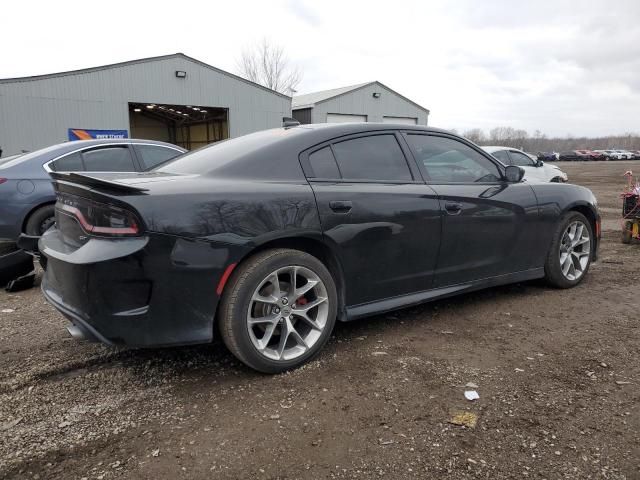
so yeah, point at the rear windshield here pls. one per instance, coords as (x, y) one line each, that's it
(214, 156)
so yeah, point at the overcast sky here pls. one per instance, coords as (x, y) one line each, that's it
(563, 67)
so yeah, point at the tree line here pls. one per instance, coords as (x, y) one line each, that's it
(539, 142)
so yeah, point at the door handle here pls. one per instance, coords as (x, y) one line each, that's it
(340, 206)
(453, 208)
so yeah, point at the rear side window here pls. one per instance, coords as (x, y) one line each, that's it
(450, 161)
(377, 157)
(68, 163)
(323, 164)
(153, 155)
(108, 159)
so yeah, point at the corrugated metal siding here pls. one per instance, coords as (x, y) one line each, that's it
(361, 102)
(37, 113)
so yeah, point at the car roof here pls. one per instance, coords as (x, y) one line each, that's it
(494, 148)
(337, 129)
(32, 162)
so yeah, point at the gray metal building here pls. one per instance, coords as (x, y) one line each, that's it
(366, 102)
(173, 98)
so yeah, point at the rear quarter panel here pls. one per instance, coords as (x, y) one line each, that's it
(18, 198)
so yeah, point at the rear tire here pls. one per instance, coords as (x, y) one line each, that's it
(570, 253)
(270, 325)
(40, 220)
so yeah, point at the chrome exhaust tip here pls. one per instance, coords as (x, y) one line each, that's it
(76, 332)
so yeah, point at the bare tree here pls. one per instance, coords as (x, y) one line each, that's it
(266, 63)
(540, 142)
(476, 135)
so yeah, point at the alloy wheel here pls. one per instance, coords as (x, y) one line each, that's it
(575, 250)
(288, 313)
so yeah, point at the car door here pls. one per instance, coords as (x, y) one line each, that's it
(377, 213)
(489, 225)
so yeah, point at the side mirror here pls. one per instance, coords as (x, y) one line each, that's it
(539, 163)
(514, 173)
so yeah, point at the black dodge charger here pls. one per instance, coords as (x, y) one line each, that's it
(270, 238)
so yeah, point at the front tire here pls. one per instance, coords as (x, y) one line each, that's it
(278, 310)
(570, 252)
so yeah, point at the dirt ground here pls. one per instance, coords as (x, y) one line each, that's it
(558, 374)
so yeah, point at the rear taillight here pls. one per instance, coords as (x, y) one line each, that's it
(2, 180)
(99, 219)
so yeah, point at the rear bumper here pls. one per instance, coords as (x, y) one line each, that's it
(157, 290)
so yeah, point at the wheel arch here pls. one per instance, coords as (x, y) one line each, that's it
(315, 247)
(592, 216)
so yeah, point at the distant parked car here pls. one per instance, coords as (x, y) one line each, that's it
(574, 155)
(591, 155)
(617, 154)
(534, 170)
(547, 156)
(26, 194)
(625, 154)
(606, 154)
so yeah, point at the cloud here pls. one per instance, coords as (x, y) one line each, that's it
(304, 12)
(555, 65)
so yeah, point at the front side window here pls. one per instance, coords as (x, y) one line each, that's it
(520, 159)
(450, 161)
(108, 159)
(153, 155)
(376, 157)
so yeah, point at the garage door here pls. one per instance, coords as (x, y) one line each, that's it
(344, 118)
(400, 120)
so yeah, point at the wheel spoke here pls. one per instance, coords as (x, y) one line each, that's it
(285, 331)
(307, 319)
(266, 338)
(293, 273)
(275, 281)
(310, 305)
(578, 235)
(581, 241)
(272, 299)
(268, 319)
(305, 288)
(298, 338)
(566, 265)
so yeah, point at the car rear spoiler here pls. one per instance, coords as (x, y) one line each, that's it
(91, 181)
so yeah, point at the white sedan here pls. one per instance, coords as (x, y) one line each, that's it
(534, 170)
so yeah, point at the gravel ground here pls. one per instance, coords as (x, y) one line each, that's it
(558, 375)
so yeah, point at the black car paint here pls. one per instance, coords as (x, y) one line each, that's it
(391, 245)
